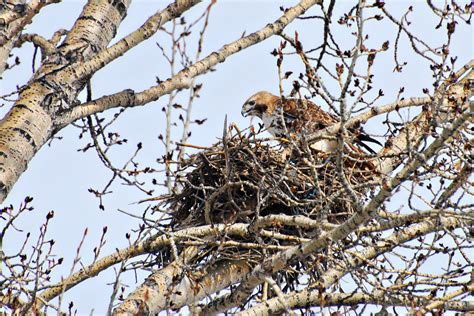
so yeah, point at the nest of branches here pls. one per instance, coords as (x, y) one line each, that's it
(285, 194)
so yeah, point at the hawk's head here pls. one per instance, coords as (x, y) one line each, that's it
(258, 104)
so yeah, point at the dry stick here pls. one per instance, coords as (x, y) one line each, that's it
(340, 172)
(128, 98)
(193, 93)
(464, 174)
(282, 259)
(192, 146)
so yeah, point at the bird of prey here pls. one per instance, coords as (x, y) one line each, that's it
(289, 118)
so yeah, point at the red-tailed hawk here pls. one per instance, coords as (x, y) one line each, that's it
(290, 118)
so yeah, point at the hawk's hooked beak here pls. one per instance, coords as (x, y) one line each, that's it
(245, 113)
(248, 109)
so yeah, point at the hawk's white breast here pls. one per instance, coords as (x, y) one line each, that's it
(272, 125)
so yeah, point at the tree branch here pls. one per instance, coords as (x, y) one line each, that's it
(28, 125)
(315, 295)
(282, 259)
(13, 21)
(183, 78)
(378, 297)
(150, 245)
(84, 69)
(158, 293)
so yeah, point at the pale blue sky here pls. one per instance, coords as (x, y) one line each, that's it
(59, 176)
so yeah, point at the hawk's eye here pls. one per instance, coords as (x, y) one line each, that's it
(252, 103)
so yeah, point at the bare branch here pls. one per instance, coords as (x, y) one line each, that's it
(183, 79)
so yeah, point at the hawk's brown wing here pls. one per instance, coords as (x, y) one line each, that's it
(304, 114)
(299, 114)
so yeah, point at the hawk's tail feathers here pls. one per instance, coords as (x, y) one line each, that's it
(367, 138)
(361, 138)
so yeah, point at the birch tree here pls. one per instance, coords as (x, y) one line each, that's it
(252, 224)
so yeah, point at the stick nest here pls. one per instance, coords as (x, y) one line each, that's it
(285, 194)
(245, 178)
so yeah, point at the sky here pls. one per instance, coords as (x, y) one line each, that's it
(59, 176)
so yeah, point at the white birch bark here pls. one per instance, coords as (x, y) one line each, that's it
(54, 87)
